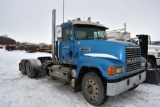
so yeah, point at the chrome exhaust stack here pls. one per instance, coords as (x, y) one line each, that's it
(54, 57)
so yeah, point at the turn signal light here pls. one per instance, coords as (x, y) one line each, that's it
(111, 71)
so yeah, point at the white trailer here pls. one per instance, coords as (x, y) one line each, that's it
(117, 35)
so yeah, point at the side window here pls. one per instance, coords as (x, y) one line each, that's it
(100, 35)
(67, 33)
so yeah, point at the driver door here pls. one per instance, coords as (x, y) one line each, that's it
(66, 46)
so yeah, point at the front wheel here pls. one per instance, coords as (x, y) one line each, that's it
(150, 64)
(93, 89)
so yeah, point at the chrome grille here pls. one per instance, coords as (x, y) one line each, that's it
(133, 59)
(133, 66)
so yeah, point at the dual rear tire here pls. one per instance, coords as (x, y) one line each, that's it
(22, 67)
(30, 67)
(29, 70)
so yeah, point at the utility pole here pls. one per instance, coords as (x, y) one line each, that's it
(63, 11)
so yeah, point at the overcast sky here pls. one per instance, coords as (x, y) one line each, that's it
(31, 20)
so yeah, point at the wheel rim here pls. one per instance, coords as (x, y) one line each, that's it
(92, 89)
(149, 65)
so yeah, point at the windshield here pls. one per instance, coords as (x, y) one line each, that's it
(85, 32)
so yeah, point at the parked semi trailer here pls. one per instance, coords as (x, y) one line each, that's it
(84, 59)
(31, 48)
(45, 48)
(10, 47)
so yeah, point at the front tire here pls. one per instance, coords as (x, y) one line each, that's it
(150, 64)
(93, 89)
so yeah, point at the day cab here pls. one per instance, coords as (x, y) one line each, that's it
(102, 67)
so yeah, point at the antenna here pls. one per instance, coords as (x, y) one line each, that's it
(125, 27)
(89, 19)
(124, 31)
(158, 36)
(63, 11)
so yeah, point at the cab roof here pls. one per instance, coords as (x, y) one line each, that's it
(75, 22)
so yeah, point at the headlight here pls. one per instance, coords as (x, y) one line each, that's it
(119, 70)
(143, 63)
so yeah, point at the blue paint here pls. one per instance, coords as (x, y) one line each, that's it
(74, 52)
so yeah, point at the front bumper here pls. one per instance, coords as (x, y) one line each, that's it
(119, 87)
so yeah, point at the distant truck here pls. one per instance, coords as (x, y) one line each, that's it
(1, 46)
(20, 47)
(117, 35)
(153, 50)
(153, 53)
(31, 48)
(10, 47)
(45, 48)
(155, 43)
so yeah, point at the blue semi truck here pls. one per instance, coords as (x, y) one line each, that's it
(86, 60)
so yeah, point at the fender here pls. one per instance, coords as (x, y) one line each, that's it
(98, 62)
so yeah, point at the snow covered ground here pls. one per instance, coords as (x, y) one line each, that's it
(17, 90)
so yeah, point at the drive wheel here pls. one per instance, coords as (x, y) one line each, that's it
(22, 67)
(44, 68)
(93, 89)
(29, 70)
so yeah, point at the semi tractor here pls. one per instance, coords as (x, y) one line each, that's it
(153, 50)
(85, 60)
(153, 53)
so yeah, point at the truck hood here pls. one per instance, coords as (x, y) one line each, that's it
(154, 51)
(153, 47)
(104, 48)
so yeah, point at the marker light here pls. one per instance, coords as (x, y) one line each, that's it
(111, 71)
